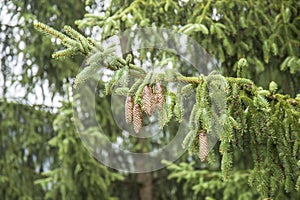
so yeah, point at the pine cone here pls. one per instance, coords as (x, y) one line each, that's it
(203, 146)
(160, 98)
(137, 118)
(148, 100)
(129, 109)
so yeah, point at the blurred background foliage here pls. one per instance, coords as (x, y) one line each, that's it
(42, 156)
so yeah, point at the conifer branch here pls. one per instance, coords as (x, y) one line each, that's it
(269, 117)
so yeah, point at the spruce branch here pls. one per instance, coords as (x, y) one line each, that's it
(270, 112)
(43, 28)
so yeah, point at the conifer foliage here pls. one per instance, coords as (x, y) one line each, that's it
(249, 119)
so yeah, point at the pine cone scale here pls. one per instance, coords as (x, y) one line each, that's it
(129, 109)
(148, 100)
(160, 98)
(203, 146)
(137, 118)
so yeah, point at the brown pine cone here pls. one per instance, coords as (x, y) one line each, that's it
(148, 100)
(160, 98)
(129, 109)
(137, 118)
(203, 146)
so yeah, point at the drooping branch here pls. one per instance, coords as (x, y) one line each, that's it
(233, 109)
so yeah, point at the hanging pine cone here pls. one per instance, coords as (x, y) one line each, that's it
(160, 98)
(137, 118)
(203, 146)
(148, 100)
(129, 109)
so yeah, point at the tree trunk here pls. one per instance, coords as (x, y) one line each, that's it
(145, 188)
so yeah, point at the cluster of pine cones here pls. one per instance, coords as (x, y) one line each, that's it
(150, 101)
